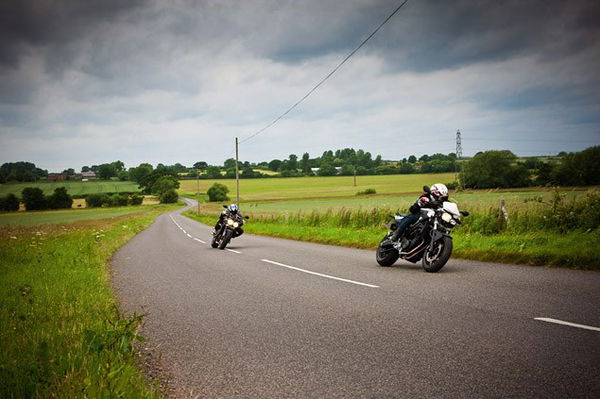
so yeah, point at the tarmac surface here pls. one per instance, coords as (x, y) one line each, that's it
(273, 318)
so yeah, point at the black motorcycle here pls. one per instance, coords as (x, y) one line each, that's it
(428, 239)
(231, 227)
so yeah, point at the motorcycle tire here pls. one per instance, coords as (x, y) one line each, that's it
(214, 243)
(386, 256)
(435, 265)
(226, 239)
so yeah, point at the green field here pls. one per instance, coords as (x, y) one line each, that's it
(66, 216)
(318, 187)
(74, 188)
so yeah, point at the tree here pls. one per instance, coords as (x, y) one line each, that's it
(85, 169)
(123, 175)
(9, 203)
(138, 174)
(213, 172)
(274, 165)
(119, 166)
(106, 171)
(147, 183)
(21, 171)
(60, 199)
(96, 200)
(579, 169)
(292, 162)
(327, 169)
(494, 169)
(229, 163)
(164, 184)
(34, 199)
(412, 159)
(169, 197)
(136, 199)
(217, 192)
(201, 166)
(305, 163)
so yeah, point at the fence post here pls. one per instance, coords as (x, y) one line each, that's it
(502, 213)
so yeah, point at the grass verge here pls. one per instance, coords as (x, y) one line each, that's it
(574, 249)
(62, 334)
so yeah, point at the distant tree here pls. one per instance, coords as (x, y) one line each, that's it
(140, 173)
(201, 166)
(229, 163)
(407, 168)
(96, 200)
(21, 171)
(292, 162)
(136, 199)
(69, 172)
(9, 203)
(213, 172)
(424, 158)
(106, 171)
(347, 170)
(274, 165)
(327, 169)
(217, 192)
(305, 163)
(147, 183)
(179, 168)
(119, 166)
(544, 175)
(60, 199)
(34, 199)
(85, 169)
(123, 175)
(579, 169)
(169, 197)
(164, 184)
(494, 169)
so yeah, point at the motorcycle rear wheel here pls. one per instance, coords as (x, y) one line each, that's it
(433, 262)
(386, 256)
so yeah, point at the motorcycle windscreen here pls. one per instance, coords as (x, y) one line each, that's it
(451, 208)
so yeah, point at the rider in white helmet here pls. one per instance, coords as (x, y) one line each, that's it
(432, 198)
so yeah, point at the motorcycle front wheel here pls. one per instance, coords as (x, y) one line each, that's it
(386, 255)
(437, 254)
(226, 238)
(215, 240)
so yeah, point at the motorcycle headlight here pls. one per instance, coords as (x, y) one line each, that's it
(230, 222)
(446, 217)
(235, 224)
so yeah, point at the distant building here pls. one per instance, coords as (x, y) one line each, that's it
(88, 175)
(57, 176)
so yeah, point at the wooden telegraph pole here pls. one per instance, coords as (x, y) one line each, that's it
(198, 188)
(237, 175)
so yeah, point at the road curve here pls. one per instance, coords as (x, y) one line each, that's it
(275, 318)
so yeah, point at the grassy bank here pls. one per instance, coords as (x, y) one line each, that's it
(74, 188)
(62, 334)
(562, 232)
(65, 216)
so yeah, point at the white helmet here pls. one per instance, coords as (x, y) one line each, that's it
(439, 190)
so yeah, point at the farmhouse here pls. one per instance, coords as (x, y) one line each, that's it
(57, 176)
(88, 175)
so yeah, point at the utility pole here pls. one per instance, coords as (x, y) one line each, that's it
(237, 175)
(354, 175)
(198, 188)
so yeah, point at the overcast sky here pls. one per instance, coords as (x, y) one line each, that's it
(88, 82)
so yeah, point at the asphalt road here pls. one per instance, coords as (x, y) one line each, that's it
(255, 323)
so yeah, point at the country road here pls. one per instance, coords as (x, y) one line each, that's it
(273, 318)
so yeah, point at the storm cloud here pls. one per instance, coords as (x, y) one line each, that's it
(91, 82)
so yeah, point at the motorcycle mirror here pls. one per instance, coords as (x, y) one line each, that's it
(225, 206)
(246, 217)
(426, 189)
(464, 213)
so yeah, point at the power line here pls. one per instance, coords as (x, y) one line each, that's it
(326, 77)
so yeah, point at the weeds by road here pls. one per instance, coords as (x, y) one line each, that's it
(62, 334)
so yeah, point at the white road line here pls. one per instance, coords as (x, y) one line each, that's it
(189, 235)
(184, 231)
(233, 250)
(320, 274)
(199, 240)
(566, 323)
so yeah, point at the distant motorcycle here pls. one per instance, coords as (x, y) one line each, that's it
(231, 227)
(428, 239)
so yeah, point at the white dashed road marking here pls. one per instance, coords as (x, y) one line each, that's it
(199, 240)
(320, 274)
(566, 323)
(233, 250)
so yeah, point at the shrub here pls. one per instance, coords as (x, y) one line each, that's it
(367, 191)
(217, 192)
(60, 199)
(169, 197)
(34, 198)
(96, 200)
(9, 203)
(136, 199)
(164, 184)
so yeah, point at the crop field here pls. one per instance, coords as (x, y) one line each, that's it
(66, 216)
(74, 188)
(318, 187)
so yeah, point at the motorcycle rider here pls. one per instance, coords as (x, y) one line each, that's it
(438, 193)
(233, 211)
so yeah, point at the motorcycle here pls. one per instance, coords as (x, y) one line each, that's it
(428, 239)
(231, 227)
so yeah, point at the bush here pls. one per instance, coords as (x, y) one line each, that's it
(169, 197)
(60, 199)
(9, 203)
(494, 169)
(118, 200)
(96, 200)
(34, 198)
(217, 192)
(136, 199)
(367, 191)
(164, 184)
